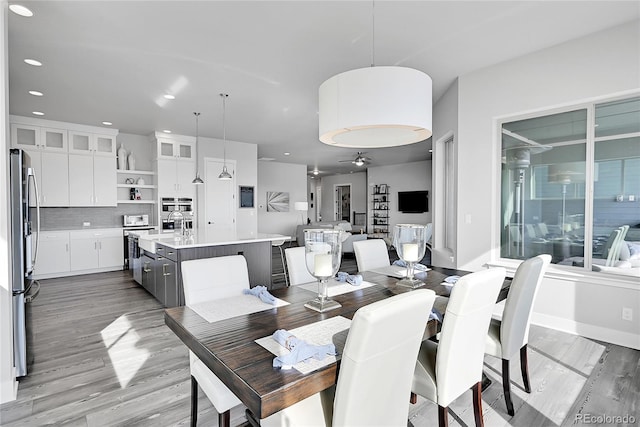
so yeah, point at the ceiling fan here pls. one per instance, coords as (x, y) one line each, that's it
(360, 160)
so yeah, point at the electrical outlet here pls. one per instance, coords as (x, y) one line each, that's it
(627, 314)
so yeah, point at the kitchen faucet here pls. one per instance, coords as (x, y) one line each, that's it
(185, 232)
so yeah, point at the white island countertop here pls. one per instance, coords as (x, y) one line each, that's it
(201, 238)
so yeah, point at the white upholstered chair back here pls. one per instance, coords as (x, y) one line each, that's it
(297, 266)
(514, 330)
(214, 278)
(203, 280)
(462, 340)
(370, 254)
(378, 361)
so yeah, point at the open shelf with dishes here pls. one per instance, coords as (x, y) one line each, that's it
(136, 187)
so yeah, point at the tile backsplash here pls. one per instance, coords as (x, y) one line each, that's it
(73, 218)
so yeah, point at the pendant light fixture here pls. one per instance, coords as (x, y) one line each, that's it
(376, 106)
(224, 175)
(197, 180)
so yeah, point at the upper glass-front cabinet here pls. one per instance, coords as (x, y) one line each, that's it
(89, 143)
(556, 200)
(173, 149)
(38, 138)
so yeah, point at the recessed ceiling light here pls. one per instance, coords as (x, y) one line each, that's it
(38, 113)
(316, 172)
(35, 93)
(286, 154)
(166, 131)
(33, 62)
(169, 96)
(107, 123)
(19, 9)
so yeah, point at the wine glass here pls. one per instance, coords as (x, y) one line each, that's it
(323, 250)
(410, 241)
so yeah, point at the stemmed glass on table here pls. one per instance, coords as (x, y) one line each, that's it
(410, 241)
(323, 251)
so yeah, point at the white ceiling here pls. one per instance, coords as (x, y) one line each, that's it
(114, 60)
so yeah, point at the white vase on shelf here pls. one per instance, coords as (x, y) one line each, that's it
(122, 157)
(132, 162)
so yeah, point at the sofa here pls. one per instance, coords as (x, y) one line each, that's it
(348, 237)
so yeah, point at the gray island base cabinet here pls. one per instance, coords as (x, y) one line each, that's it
(162, 273)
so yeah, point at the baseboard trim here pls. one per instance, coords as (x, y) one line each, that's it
(599, 333)
(78, 272)
(9, 388)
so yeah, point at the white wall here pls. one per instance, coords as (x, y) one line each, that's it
(358, 182)
(598, 65)
(291, 178)
(445, 122)
(405, 177)
(140, 146)
(8, 384)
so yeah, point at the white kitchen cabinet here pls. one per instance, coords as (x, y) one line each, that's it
(53, 255)
(105, 180)
(96, 249)
(111, 251)
(175, 178)
(92, 180)
(51, 170)
(91, 143)
(31, 137)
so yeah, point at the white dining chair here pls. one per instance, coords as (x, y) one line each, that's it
(204, 280)
(509, 337)
(447, 369)
(376, 368)
(370, 254)
(297, 267)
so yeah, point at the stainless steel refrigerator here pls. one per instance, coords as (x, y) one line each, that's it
(25, 224)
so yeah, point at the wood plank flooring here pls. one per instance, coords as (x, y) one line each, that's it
(103, 357)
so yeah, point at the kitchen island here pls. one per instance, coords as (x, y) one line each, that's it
(163, 253)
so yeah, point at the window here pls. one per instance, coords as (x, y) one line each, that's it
(569, 178)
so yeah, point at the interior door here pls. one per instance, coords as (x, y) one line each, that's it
(342, 202)
(220, 202)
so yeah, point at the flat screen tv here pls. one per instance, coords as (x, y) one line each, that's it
(413, 201)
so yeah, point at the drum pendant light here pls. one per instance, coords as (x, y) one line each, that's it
(197, 180)
(224, 175)
(375, 107)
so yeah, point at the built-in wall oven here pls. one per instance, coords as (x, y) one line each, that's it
(183, 205)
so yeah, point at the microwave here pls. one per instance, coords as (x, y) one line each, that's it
(135, 220)
(180, 204)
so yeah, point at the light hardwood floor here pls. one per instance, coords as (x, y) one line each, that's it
(104, 357)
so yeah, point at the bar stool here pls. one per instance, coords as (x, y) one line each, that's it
(279, 244)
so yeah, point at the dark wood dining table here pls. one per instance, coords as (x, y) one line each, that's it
(228, 346)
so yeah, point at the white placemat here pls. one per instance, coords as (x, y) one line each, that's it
(225, 308)
(394, 271)
(320, 333)
(336, 288)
